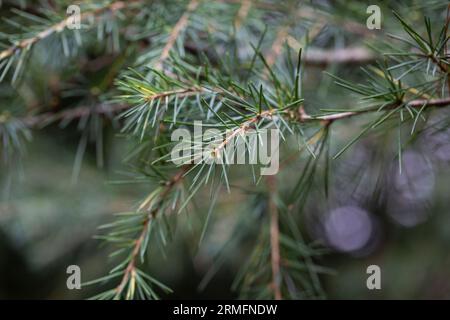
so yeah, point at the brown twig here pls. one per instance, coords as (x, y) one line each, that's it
(43, 119)
(131, 266)
(277, 45)
(58, 27)
(313, 13)
(242, 13)
(321, 57)
(179, 26)
(283, 36)
(304, 117)
(46, 118)
(243, 128)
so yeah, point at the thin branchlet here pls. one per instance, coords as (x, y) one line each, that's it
(130, 271)
(60, 26)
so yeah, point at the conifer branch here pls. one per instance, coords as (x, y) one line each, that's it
(216, 78)
(243, 128)
(176, 30)
(419, 103)
(130, 270)
(323, 57)
(44, 119)
(277, 45)
(41, 120)
(242, 13)
(60, 26)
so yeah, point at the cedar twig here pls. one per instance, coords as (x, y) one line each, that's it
(356, 55)
(179, 26)
(243, 128)
(46, 118)
(60, 26)
(242, 13)
(277, 45)
(131, 266)
(284, 37)
(303, 116)
(316, 14)
(43, 119)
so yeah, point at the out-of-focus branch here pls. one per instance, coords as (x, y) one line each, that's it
(58, 27)
(322, 57)
(242, 13)
(130, 270)
(179, 26)
(277, 45)
(307, 12)
(46, 118)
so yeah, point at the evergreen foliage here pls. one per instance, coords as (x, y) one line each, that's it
(147, 68)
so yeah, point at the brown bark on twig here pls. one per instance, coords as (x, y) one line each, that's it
(131, 267)
(303, 117)
(323, 57)
(242, 13)
(43, 119)
(179, 26)
(26, 43)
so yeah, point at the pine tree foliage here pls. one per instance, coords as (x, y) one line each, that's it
(239, 67)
